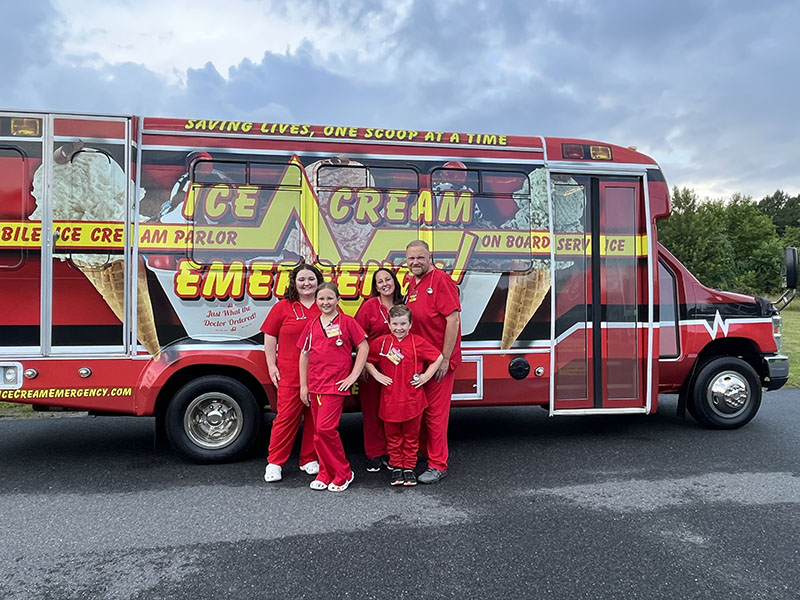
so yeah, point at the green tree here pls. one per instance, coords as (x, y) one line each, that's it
(727, 245)
(696, 234)
(755, 244)
(784, 210)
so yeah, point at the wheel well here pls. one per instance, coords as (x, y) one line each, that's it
(737, 347)
(185, 375)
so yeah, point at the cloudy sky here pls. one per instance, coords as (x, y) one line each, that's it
(706, 87)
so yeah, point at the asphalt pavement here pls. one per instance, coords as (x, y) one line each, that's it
(571, 507)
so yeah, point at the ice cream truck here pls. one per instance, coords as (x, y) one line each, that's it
(140, 256)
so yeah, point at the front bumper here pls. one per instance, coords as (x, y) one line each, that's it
(777, 369)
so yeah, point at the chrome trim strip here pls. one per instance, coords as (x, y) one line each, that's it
(319, 154)
(651, 250)
(600, 411)
(553, 297)
(46, 269)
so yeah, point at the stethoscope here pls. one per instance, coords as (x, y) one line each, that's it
(339, 341)
(302, 315)
(384, 315)
(415, 376)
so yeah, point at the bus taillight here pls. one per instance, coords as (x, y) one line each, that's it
(572, 151)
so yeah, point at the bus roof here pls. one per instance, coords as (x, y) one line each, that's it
(532, 147)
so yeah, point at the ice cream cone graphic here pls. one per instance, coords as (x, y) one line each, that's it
(87, 185)
(109, 280)
(526, 291)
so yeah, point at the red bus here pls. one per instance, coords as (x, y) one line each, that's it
(139, 257)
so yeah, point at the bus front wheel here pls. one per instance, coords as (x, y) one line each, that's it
(213, 419)
(726, 393)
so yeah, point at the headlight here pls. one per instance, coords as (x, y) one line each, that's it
(10, 376)
(777, 328)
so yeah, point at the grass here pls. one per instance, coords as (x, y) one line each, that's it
(14, 410)
(791, 341)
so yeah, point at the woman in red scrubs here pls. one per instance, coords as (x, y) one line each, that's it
(373, 316)
(282, 328)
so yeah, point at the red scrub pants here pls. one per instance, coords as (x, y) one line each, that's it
(333, 465)
(370, 397)
(285, 425)
(433, 434)
(402, 441)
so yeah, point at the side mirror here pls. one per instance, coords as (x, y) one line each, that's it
(789, 268)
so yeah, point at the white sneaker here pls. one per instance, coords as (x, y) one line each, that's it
(272, 473)
(332, 487)
(312, 468)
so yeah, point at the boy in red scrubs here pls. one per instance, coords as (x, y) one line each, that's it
(396, 362)
(327, 373)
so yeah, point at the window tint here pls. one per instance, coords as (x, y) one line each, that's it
(210, 171)
(669, 342)
(362, 205)
(493, 207)
(273, 175)
(228, 196)
(14, 204)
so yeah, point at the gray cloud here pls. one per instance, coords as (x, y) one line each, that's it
(706, 88)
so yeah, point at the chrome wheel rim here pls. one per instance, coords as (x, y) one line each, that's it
(213, 420)
(729, 394)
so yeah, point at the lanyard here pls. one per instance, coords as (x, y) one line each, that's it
(391, 347)
(339, 341)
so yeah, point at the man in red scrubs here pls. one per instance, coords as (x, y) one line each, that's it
(433, 300)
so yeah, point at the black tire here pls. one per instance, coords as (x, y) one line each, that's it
(213, 419)
(725, 394)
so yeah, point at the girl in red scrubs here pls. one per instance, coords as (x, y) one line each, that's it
(396, 362)
(373, 316)
(282, 328)
(326, 374)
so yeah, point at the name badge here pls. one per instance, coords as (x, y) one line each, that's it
(412, 297)
(333, 330)
(395, 356)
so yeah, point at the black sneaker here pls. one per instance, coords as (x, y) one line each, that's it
(374, 464)
(432, 476)
(409, 478)
(385, 461)
(397, 477)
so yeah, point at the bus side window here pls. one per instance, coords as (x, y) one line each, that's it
(669, 342)
(354, 200)
(229, 196)
(15, 204)
(493, 207)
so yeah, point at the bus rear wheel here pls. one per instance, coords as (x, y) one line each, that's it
(726, 393)
(213, 419)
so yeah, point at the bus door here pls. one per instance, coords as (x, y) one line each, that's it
(21, 139)
(602, 316)
(84, 197)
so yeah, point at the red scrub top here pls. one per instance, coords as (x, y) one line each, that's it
(327, 362)
(431, 299)
(400, 360)
(373, 316)
(286, 321)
